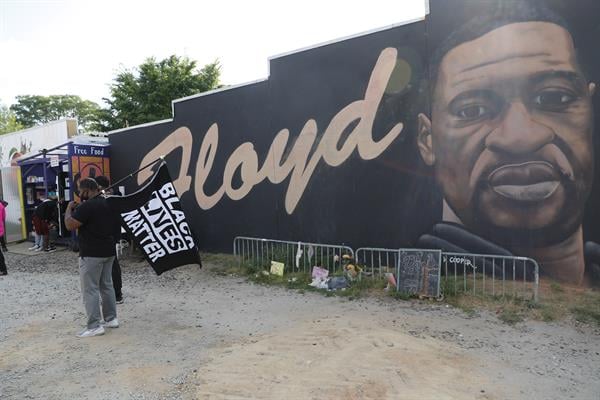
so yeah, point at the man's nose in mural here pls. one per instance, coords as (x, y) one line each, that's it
(518, 132)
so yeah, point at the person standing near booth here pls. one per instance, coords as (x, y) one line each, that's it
(46, 213)
(3, 270)
(3, 236)
(96, 256)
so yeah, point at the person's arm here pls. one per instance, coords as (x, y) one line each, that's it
(70, 222)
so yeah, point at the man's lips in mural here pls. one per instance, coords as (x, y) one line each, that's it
(529, 181)
(529, 178)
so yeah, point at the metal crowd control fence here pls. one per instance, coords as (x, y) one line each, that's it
(464, 272)
(461, 272)
(377, 261)
(479, 273)
(297, 256)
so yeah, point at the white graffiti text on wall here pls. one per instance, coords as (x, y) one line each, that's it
(300, 163)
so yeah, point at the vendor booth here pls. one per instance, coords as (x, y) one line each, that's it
(54, 173)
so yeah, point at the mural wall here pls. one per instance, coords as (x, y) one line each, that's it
(472, 130)
(30, 141)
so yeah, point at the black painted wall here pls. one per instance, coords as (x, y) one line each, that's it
(387, 201)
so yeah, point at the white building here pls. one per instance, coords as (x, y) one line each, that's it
(22, 143)
(32, 140)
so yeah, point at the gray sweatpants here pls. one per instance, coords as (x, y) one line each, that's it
(95, 274)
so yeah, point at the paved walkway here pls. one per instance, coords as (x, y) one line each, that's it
(22, 248)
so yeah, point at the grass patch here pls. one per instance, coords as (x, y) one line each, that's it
(301, 281)
(588, 308)
(219, 258)
(224, 264)
(584, 314)
(466, 307)
(510, 316)
(400, 295)
(547, 314)
(361, 288)
(556, 301)
(561, 301)
(556, 288)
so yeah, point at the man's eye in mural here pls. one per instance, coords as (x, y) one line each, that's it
(473, 112)
(554, 99)
(475, 106)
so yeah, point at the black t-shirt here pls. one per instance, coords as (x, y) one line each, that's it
(97, 229)
(116, 221)
(47, 210)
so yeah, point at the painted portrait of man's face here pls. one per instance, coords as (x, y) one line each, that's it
(510, 133)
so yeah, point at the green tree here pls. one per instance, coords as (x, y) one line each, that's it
(8, 121)
(144, 94)
(38, 110)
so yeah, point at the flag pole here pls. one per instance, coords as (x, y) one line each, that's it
(161, 158)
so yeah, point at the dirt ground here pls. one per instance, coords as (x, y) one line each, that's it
(195, 334)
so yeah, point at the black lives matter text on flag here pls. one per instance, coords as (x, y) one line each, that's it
(156, 223)
(161, 228)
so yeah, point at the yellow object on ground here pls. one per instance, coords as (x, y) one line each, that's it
(277, 268)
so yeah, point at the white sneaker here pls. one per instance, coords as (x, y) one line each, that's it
(40, 248)
(91, 332)
(34, 247)
(114, 323)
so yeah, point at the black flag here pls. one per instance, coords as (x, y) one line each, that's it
(153, 218)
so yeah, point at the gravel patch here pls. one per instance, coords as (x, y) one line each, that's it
(177, 326)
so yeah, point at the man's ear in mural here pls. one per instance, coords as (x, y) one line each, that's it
(424, 140)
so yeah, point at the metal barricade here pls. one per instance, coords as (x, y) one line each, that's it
(490, 274)
(377, 261)
(467, 273)
(297, 256)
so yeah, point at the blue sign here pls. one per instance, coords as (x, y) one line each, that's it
(88, 150)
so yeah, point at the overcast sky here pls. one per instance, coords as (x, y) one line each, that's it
(76, 47)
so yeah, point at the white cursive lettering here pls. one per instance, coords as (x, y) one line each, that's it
(299, 164)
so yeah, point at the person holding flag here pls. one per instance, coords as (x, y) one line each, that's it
(96, 256)
(105, 187)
